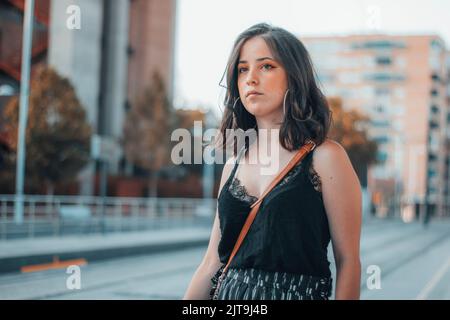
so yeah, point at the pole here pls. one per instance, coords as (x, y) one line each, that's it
(103, 190)
(27, 39)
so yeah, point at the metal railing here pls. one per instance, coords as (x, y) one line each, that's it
(66, 215)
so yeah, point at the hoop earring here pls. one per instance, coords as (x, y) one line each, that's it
(284, 102)
(234, 104)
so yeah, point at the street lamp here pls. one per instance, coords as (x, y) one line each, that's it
(27, 39)
(207, 207)
(208, 169)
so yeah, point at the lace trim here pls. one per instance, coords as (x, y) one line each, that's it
(239, 191)
(315, 179)
(290, 175)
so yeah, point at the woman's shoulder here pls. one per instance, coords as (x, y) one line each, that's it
(330, 156)
(328, 148)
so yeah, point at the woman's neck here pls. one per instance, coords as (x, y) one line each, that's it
(268, 133)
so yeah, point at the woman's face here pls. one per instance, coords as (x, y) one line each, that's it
(258, 71)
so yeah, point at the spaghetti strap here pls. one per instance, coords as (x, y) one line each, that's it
(236, 163)
(285, 249)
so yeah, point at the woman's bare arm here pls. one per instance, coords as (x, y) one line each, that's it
(342, 198)
(200, 285)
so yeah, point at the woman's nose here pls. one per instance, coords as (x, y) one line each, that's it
(251, 78)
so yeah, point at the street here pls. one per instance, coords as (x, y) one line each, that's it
(414, 263)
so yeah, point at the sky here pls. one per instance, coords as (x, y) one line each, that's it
(206, 29)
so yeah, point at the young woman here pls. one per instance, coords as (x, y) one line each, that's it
(271, 86)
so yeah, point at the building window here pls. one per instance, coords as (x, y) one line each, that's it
(130, 50)
(434, 124)
(382, 91)
(431, 173)
(380, 123)
(379, 44)
(432, 157)
(383, 61)
(379, 109)
(434, 109)
(127, 105)
(435, 77)
(436, 44)
(382, 157)
(384, 77)
(381, 139)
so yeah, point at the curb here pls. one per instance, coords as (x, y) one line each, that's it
(14, 264)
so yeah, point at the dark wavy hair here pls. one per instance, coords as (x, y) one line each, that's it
(308, 115)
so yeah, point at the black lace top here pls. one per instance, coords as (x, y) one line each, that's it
(290, 232)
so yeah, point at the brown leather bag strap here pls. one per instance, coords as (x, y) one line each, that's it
(304, 150)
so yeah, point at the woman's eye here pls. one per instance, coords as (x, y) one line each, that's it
(264, 66)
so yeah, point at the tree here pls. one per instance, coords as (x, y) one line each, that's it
(349, 129)
(57, 133)
(6, 165)
(147, 131)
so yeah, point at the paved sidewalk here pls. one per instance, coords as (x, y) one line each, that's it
(15, 254)
(18, 253)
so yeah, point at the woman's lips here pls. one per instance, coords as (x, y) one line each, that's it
(254, 95)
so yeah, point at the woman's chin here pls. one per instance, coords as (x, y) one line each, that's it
(257, 109)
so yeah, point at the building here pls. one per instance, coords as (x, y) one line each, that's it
(109, 59)
(401, 83)
(11, 21)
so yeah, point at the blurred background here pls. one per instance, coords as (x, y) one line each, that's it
(92, 182)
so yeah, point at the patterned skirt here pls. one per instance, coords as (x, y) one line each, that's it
(254, 284)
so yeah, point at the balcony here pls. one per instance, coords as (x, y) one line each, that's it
(379, 44)
(11, 35)
(384, 77)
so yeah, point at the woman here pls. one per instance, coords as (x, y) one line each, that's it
(271, 87)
